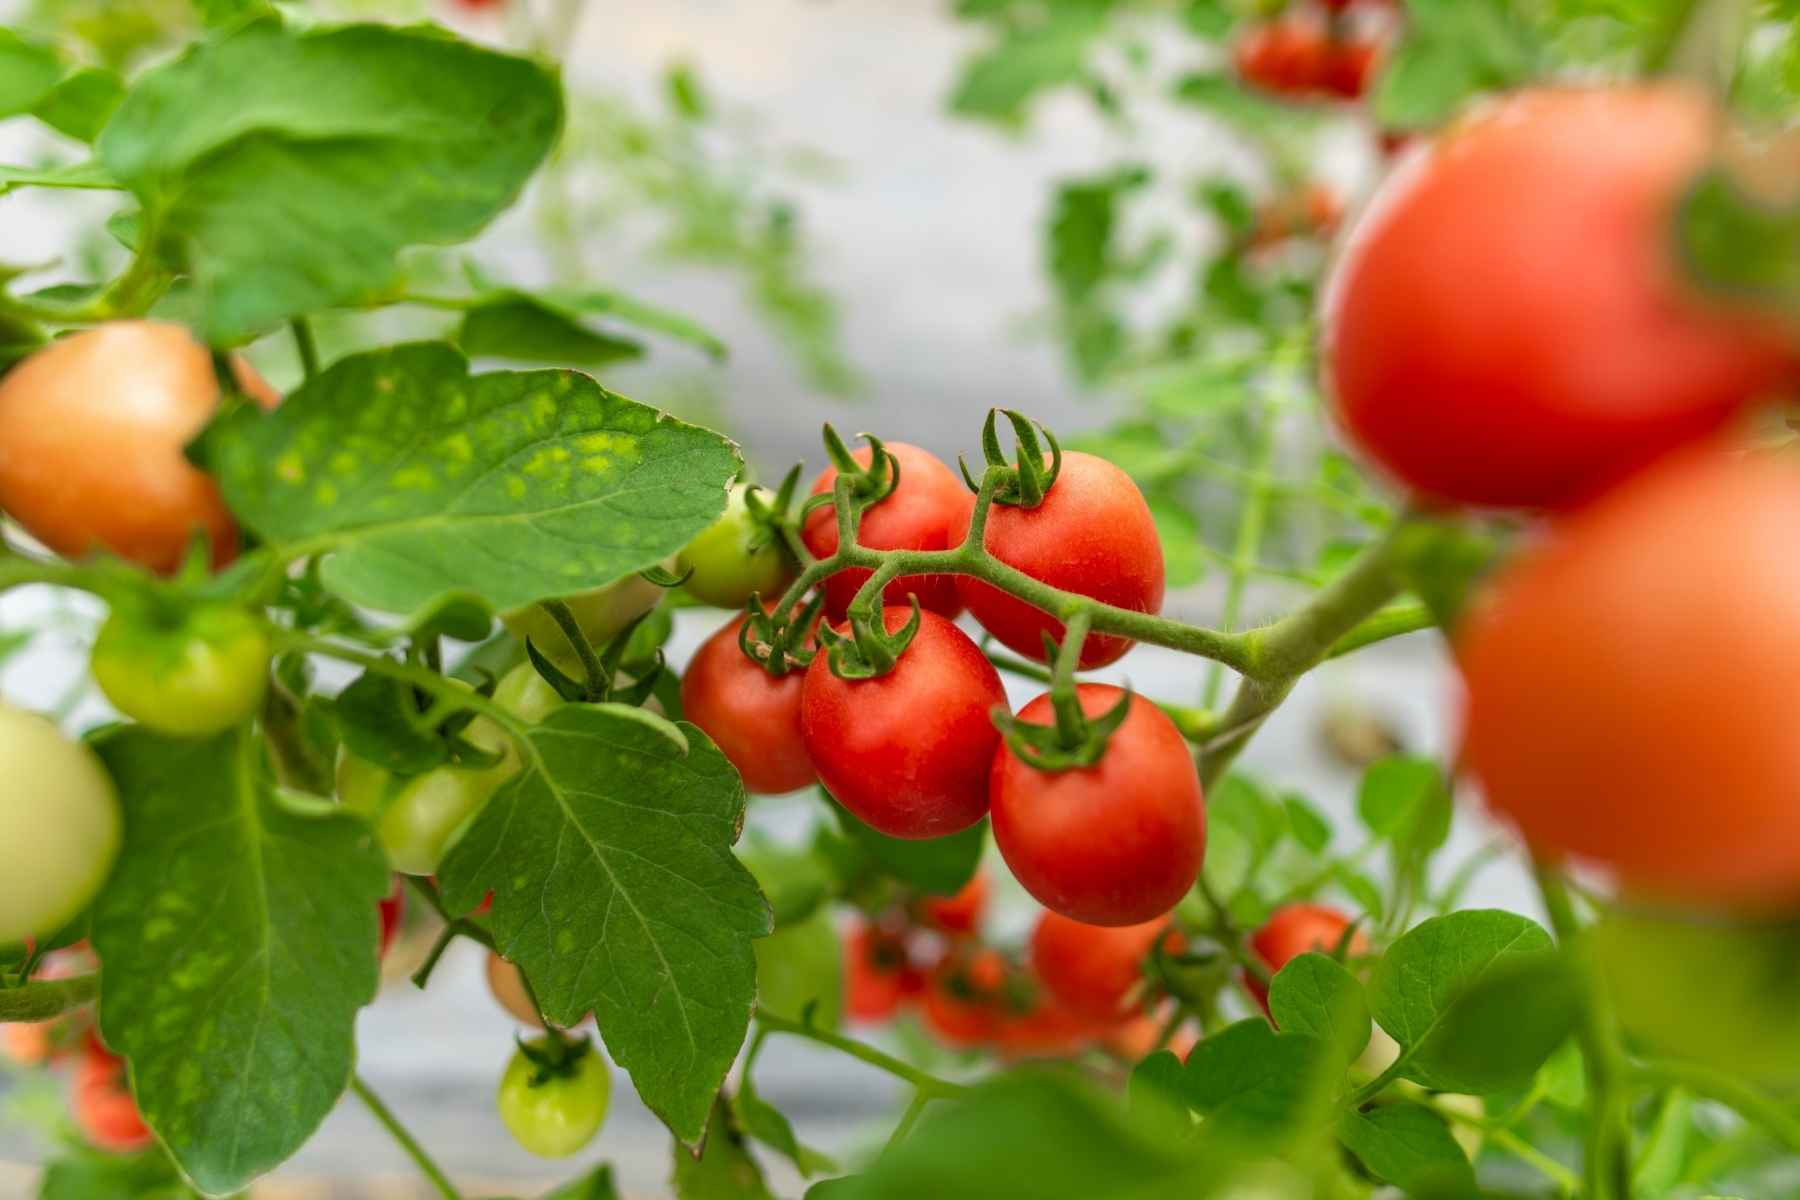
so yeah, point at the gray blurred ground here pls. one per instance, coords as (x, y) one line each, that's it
(931, 237)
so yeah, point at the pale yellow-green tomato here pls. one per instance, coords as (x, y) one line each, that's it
(733, 557)
(601, 613)
(60, 826)
(801, 964)
(199, 674)
(554, 1114)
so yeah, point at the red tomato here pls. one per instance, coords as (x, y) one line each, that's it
(392, 908)
(752, 716)
(929, 510)
(1293, 930)
(880, 974)
(1507, 325)
(1284, 57)
(92, 429)
(958, 914)
(1045, 1028)
(1630, 682)
(905, 751)
(961, 1004)
(1095, 970)
(1314, 210)
(103, 1108)
(1348, 68)
(27, 1043)
(1093, 534)
(1116, 843)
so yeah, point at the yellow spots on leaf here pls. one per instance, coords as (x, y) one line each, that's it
(543, 409)
(384, 384)
(344, 463)
(565, 941)
(515, 488)
(457, 449)
(416, 478)
(325, 494)
(290, 468)
(546, 460)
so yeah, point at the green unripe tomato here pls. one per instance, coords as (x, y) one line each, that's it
(802, 964)
(734, 557)
(601, 613)
(417, 818)
(523, 693)
(199, 673)
(59, 826)
(554, 1111)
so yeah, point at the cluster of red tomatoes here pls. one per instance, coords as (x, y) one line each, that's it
(1331, 51)
(915, 752)
(99, 1100)
(1509, 327)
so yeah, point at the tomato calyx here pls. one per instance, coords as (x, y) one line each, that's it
(1074, 739)
(605, 668)
(869, 650)
(1024, 481)
(554, 1056)
(776, 643)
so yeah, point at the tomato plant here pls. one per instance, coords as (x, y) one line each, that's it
(444, 631)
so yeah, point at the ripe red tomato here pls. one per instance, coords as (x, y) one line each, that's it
(1629, 683)
(1349, 67)
(961, 1004)
(1093, 534)
(1293, 930)
(961, 913)
(1094, 970)
(752, 716)
(92, 429)
(1116, 843)
(392, 910)
(1507, 325)
(880, 973)
(103, 1108)
(1284, 57)
(905, 751)
(1042, 1028)
(929, 510)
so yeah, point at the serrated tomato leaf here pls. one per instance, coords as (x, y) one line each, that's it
(1410, 1147)
(238, 937)
(1315, 994)
(616, 890)
(419, 480)
(239, 148)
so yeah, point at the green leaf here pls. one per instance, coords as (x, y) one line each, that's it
(801, 967)
(419, 480)
(1720, 992)
(378, 721)
(595, 1185)
(998, 83)
(1240, 802)
(582, 304)
(724, 1170)
(1496, 1033)
(1256, 1085)
(1026, 1137)
(1410, 1147)
(27, 73)
(1309, 826)
(615, 889)
(1317, 995)
(80, 105)
(293, 167)
(1453, 50)
(79, 175)
(522, 330)
(1406, 801)
(940, 866)
(768, 1125)
(239, 940)
(1413, 987)
(83, 1173)
(1739, 247)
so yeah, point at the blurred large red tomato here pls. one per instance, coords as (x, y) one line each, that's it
(1507, 325)
(1095, 970)
(1631, 683)
(1293, 930)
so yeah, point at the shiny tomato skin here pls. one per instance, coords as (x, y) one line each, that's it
(1094, 970)
(191, 674)
(753, 717)
(391, 910)
(1117, 843)
(1293, 930)
(103, 1108)
(60, 826)
(961, 1004)
(1093, 534)
(929, 510)
(1045, 1028)
(1507, 325)
(507, 986)
(554, 1115)
(1629, 684)
(735, 558)
(906, 751)
(960, 914)
(92, 432)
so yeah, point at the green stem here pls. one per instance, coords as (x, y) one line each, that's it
(1277, 655)
(1566, 1181)
(42, 999)
(408, 1143)
(1390, 622)
(927, 1085)
(1244, 552)
(597, 682)
(1607, 1158)
(915, 1108)
(304, 344)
